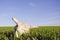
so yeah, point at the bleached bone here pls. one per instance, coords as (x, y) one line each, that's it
(15, 20)
(21, 28)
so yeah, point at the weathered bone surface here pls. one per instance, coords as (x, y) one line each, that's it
(15, 20)
(20, 27)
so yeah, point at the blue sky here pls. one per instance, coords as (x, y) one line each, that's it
(32, 12)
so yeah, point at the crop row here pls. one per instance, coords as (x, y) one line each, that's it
(44, 33)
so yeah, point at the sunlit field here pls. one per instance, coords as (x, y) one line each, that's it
(40, 33)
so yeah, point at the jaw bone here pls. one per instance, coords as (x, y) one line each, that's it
(16, 21)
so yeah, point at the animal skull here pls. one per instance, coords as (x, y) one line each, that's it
(20, 27)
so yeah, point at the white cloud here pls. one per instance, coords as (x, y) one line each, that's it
(32, 4)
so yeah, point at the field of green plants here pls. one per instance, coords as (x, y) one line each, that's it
(40, 33)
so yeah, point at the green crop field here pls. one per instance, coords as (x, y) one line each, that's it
(40, 33)
(6, 28)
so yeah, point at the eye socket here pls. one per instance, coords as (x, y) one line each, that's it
(16, 26)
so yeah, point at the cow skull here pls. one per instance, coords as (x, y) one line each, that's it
(20, 27)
